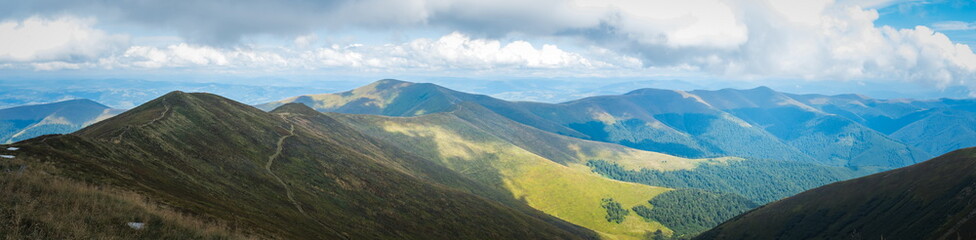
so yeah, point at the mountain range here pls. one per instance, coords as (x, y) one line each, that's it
(844, 130)
(24, 122)
(403, 160)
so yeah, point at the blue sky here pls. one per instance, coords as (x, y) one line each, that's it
(906, 44)
(956, 18)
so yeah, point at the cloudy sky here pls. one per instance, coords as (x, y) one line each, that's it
(913, 44)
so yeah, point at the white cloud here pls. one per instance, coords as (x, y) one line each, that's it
(457, 50)
(746, 39)
(63, 39)
(451, 52)
(194, 56)
(954, 26)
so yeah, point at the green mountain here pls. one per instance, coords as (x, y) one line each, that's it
(555, 173)
(935, 126)
(24, 122)
(755, 124)
(828, 138)
(292, 173)
(929, 200)
(542, 169)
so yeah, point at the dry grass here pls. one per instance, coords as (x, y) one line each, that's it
(36, 205)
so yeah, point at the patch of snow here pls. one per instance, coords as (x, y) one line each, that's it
(13, 148)
(136, 225)
(7, 156)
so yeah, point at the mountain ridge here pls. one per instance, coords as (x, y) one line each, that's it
(688, 124)
(210, 156)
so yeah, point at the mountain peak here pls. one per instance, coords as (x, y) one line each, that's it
(386, 84)
(83, 101)
(201, 107)
(296, 108)
(762, 89)
(650, 91)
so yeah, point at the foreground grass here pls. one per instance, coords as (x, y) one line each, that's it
(36, 205)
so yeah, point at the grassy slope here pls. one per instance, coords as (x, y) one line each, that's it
(929, 200)
(205, 155)
(41, 206)
(544, 169)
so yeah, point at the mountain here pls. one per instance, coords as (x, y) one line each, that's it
(24, 122)
(555, 173)
(754, 124)
(543, 170)
(129, 93)
(825, 137)
(935, 126)
(929, 200)
(292, 173)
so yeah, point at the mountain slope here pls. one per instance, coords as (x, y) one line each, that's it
(498, 151)
(284, 175)
(827, 138)
(19, 123)
(929, 200)
(935, 126)
(562, 187)
(940, 130)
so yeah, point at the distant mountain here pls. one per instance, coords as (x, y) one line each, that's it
(756, 124)
(935, 126)
(128, 93)
(293, 174)
(828, 138)
(929, 200)
(24, 122)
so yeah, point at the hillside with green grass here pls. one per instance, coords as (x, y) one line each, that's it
(564, 189)
(292, 174)
(24, 122)
(555, 174)
(929, 200)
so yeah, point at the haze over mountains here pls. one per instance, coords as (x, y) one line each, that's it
(25, 122)
(403, 160)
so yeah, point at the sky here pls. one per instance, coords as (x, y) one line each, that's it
(904, 44)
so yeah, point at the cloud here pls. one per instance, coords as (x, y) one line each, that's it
(60, 40)
(740, 39)
(954, 26)
(451, 52)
